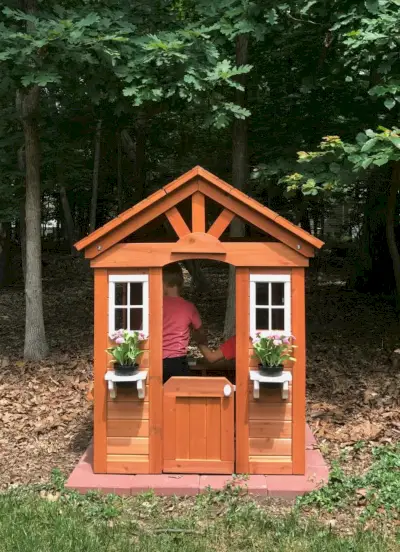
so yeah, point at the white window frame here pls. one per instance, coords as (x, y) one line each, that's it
(127, 279)
(287, 306)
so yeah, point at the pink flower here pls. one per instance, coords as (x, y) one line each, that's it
(120, 340)
(277, 342)
(286, 340)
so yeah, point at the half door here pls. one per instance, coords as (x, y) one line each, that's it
(198, 435)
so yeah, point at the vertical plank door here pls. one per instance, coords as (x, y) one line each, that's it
(198, 425)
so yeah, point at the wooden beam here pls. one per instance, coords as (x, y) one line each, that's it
(242, 370)
(221, 223)
(257, 219)
(143, 255)
(198, 212)
(100, 368)
(177, 222)
(299, 372)
(144, 217)
(156, 371)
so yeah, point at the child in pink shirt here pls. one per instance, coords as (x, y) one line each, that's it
(179, 317)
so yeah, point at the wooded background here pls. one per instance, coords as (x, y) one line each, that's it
(295, 103)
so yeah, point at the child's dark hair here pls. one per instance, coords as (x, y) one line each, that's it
(173, 275)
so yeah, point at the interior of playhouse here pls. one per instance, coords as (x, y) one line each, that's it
(225, 418)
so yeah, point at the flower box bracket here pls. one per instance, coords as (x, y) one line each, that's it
(139, 377)
(256, 377)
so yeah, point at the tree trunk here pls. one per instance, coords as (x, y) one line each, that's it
(35, 347)
(240, 175)
(390, 227)
(95, 187)
(120, 197)
(5, 238)
(139, 171)
(22, 224)
(69, 221)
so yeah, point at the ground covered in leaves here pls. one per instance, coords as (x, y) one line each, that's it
(46, 421)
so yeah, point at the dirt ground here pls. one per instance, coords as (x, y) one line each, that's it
(46, 421)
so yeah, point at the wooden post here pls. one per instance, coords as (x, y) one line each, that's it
(155, 370)
(299, 372)
(100, 368)
(242, 370)
(198, 213)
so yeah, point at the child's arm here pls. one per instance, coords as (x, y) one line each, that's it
(210, 355)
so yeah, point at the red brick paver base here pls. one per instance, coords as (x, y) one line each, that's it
(83, 479)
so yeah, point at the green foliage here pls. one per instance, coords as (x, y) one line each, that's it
(127, 350)
(66, 521)
(377, 491)
(273, 350)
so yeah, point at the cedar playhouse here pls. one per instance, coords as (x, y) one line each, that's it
(202, 425)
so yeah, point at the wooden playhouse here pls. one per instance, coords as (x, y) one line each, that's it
(199, 424)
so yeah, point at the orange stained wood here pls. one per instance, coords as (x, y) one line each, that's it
(258, 219)
(211, 186)
(177, 222)
(270, 446)
(127, 445)
(128, 410)
(143, 217)
(221, 223)
(198, 212)
(127, 463)
(100, 368)
(128, 428)
(199, 242)
(155, 370)
(242, 370)
(299, 371)
(270, 429)
(198, 426)
(131, 256)
(270, 411)
(272, 465)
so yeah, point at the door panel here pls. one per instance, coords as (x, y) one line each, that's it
(198, 426)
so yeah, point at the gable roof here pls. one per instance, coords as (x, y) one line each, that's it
(167, 192)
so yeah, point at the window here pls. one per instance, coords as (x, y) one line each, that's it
(270, 303)
(128, 303)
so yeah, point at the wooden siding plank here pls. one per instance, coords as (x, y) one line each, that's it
(271, 412)
(169, 433)
(213, 429)
(299, 373)
(268, 429)
(182, 465)
(221, 223)
(177, 222)
(128, 410)
(198, 428)
(127, 428)
(270, 447)
(128, 464)
(100, 368)
(242, 371)
(182, 425)
(155, 371)
(272, 465)
(128, 445)
(246, 254)
(195, 387)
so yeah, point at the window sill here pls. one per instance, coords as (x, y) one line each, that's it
(256, 377)
(139, 377)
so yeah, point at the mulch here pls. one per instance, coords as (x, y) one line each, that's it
(353, 393)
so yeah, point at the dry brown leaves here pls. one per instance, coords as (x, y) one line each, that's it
(46, 420)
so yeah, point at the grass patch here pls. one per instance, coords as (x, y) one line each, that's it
(50, 518)
(376, 493)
